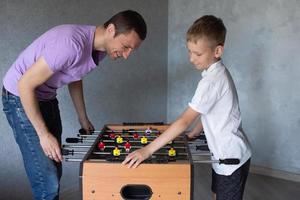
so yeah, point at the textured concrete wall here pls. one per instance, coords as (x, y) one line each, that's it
(261, 53)
(118, 91)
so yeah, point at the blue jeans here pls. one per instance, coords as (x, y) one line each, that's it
(44, 174)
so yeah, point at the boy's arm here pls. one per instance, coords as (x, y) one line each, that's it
(176, 128)
(196, 130)
(76, 93)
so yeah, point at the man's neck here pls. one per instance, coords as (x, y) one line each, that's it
(99, 39)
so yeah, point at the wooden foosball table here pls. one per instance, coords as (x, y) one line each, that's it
(166, 175)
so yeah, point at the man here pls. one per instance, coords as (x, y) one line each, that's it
(63, 55)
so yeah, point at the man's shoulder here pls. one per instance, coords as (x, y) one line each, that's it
(72, 35)
(72, 27)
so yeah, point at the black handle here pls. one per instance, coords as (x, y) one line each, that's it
(202, 148)
(66, 152)
(73, 140)
(82, 131)
(230, 161)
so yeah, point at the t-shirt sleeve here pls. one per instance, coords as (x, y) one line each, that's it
(204, 98)
(59, 55)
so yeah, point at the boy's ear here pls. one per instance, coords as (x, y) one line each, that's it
(111, 30)
(219, 51)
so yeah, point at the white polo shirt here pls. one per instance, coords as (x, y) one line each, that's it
(217, 102)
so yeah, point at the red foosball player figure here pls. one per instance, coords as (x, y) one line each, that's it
(101, 145)
(172, 152)
(144, 140)
(112, 136)
(127, 146)
(119, 140)
(116, 151)
(135, 136)
(158, 133)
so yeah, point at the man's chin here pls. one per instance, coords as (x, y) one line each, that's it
(112, 57)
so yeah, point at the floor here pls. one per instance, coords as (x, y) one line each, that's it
(258, 187)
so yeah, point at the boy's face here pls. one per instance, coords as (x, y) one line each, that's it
(202, 54)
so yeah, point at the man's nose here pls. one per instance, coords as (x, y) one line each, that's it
(126, 53)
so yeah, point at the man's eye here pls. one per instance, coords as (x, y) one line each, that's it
(125, 46)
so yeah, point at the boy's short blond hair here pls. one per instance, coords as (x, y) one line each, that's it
(208, 27)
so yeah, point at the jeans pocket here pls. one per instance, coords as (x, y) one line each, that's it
(7, 109)
(23, 119)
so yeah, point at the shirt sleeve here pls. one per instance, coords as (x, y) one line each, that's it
(59, 55)
(204, 98)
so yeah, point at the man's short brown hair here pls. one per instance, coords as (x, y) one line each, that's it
(209, 27)
(127, 21)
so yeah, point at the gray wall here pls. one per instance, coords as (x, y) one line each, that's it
(262, 54)
(118, 91)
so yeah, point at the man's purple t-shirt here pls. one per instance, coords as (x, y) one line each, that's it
(68, 51)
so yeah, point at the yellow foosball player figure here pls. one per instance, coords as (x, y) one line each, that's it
(144, 140)
(119, 140)
(116, 151)
(172, 152)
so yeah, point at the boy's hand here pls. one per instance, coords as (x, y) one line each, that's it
(135, 158)
(192, 136)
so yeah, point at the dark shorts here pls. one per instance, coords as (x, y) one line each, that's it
(230, 187)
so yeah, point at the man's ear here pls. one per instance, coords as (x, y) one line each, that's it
(219, 51)
(111, 30)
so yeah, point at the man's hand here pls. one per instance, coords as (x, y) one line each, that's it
(135, 158)
(86, 125)
(50, 147)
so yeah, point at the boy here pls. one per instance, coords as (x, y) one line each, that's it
(216, 102)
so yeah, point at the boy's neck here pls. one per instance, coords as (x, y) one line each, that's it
(215, 61)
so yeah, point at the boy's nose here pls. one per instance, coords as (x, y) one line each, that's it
(191, 59)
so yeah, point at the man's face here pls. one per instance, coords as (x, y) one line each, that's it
(201, 54)
(122, 45)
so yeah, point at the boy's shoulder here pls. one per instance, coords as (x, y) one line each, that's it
(217, 79)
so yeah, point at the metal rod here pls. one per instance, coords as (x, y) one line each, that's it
(76, 146)
(228, 161)
(202, 154)
(73, 159)
(87, 136)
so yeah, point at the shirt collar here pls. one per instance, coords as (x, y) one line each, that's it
(211, 68)
(98, 56)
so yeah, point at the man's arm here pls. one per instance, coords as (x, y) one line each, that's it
(36, 75)
(176, 128)
(76, 93)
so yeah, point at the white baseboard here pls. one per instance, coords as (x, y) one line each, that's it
(274, 173)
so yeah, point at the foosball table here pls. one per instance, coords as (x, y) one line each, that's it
(166, 175)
